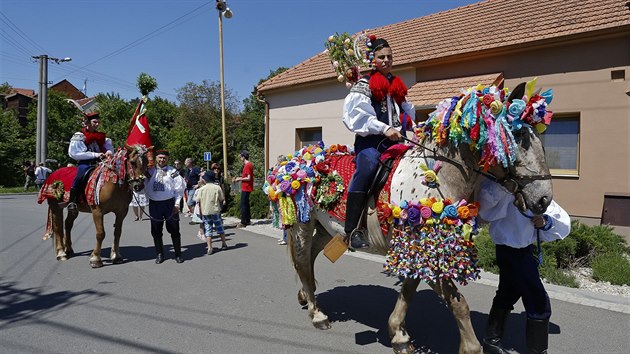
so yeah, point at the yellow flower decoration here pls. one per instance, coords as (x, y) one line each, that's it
(430, 176)
(496, 107)
(426, 202)
(295, 184)
(307, 156)
(286, 177)
(437, 207)
(396, 212)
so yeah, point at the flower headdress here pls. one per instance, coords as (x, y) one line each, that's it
(347, 55)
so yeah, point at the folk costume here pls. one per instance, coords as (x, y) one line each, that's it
(86, 147)
(165, 189)
(375, 104)
(514, 235)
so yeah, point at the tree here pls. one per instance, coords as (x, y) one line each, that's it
(15, 148)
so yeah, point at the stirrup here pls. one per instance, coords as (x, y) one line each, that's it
(72, 206)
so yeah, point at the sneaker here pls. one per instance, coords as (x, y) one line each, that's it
(282, 242)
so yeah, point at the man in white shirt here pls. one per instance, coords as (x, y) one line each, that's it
(514, 234)
(41, 172)
(164, 188)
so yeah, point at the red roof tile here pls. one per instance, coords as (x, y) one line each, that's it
(430, 93)
(453, 32)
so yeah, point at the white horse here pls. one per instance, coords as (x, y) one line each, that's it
(527, 178)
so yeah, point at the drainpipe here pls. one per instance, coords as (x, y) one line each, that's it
(261, 98)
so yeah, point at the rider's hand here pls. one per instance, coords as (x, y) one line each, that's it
(393, 134)
(102, 156)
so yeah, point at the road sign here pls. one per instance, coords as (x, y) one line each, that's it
(207, 156)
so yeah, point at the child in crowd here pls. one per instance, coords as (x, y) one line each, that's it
(210, 199)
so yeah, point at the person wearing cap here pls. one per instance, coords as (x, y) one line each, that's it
(247, 186)
(87, 147)
(377, 111)
(164, 188)
(192, 174)
(210, 199)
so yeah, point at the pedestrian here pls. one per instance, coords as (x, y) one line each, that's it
(138, 202)
(191, 174)
(164, 188)
(41, 173)
(247, 186)
(87, 147)
(178, 166)
(29, 174)
(513, 234)
(377, 111)
(210, 199)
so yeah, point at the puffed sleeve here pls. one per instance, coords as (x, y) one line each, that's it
(358, 114)
(493, 201)
(560, 223)
(77, 149)
(109, 147)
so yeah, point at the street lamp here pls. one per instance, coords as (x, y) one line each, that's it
(41, 146)
(223, 11)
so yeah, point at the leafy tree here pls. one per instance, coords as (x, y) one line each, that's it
(115, 115)
(15, 148)
(63, 121)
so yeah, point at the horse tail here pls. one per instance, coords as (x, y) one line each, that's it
(48, 231)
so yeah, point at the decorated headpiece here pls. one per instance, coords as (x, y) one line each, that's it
(348, 55)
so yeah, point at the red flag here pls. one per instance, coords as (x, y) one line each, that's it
(139, 132)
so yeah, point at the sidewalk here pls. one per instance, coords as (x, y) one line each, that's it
(576, 296)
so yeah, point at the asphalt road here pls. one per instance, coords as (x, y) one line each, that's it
(242, 300)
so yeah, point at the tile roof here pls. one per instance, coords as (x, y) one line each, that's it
(430, 93)
(444, 34)
(22, 91)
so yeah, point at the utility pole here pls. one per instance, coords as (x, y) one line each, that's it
(41, 146)
(223, 11)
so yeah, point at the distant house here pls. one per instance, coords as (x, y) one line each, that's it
(580, 49)
(19, 99)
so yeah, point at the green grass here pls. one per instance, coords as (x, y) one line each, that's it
(7, 190)
(613, 268)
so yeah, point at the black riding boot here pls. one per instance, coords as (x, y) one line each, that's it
(494, 331)
(177, 247)
(72, 203)
(537, 334)
(354, 211)
(159, 250)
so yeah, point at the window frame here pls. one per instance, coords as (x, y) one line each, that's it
(562, 172)
(299, 143)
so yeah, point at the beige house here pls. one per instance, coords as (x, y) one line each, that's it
(580, 49)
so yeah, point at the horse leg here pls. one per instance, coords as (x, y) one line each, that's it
(55, 214)
(95, 257)
(456, 301)
(67, 239)
(115, 255)
(300, 238)
(401, 342)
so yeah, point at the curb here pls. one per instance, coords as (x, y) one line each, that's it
(572, 295)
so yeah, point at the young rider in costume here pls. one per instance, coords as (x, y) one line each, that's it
(374, 111)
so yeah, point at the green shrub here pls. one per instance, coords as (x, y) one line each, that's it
(558, 277)
(592, 241)
(486, 251)
(611, 267)
(258, 202)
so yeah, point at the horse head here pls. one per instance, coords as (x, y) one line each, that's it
(137, 164)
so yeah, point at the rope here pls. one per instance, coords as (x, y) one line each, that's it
(150, 217)
(540, 255)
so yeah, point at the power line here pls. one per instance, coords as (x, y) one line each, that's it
(20, 33)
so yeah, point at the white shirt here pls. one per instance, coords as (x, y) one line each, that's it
(41, 171)
(507, 225)
(359, 115)
(79, 151)
(165, 183)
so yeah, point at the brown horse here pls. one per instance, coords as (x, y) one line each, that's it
(121, 173)
(527, 178)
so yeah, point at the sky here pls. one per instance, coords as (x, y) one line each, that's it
(177, 41)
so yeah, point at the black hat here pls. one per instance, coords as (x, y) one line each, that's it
(161, 152)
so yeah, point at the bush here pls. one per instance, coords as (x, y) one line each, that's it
(611, 267)
(258, 202)
(486, 251)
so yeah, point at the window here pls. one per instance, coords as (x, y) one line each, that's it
(307, 136)
(562, 144)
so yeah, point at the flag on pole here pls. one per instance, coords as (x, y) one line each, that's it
(139, 132)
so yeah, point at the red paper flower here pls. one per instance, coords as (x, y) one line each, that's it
(487, 100)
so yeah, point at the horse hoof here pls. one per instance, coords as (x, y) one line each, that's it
(403, 348)
(323, 325)
(301, 298)
(70, 253)
(117, 260)
(62, 258)
(96, 264)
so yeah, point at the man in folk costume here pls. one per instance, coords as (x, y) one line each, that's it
(377, 111)
(87, 147)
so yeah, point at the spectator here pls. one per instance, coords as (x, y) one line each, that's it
(191, 174)
(29, 174)
(210, 198)
(178, 167)
(138, 202)
(164, 188)
(247, 186)
(41, 173)
(514, 234)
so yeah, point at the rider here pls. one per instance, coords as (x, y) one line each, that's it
(87, 147)
(374, 111)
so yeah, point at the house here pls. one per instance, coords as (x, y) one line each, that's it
(19, 99)
(580, 49)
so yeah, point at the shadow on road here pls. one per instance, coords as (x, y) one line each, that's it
(429, 322)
